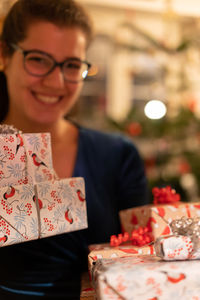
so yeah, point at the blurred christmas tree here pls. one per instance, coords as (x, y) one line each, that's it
(170, 148)
(155, 66)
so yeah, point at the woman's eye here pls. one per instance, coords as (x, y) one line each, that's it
(38, 59)
(72, 65)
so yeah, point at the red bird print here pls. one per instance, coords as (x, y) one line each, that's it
(68, 216)
(80, 195)
(166, 231)
(20, 142)
(9, 193)
(151, 220)
(37, 162)
(161, 211)
(133, 251)
(176, 280)
(39, 202)
(3, 239)
(134, 220)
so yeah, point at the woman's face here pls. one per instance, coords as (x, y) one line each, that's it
(44, 99)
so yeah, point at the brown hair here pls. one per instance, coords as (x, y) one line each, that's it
(24, 13)
(59, 12)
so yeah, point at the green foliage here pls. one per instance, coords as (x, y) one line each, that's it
(179, 133)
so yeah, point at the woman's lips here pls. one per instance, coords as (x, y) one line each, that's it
(47, 99)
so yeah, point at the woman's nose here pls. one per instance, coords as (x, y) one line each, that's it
(55, 79)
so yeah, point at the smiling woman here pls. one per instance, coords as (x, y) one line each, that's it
(50, 93)
(43, 50)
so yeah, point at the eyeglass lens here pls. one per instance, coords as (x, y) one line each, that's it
(40, 65)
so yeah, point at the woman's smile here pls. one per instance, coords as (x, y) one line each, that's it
(47, 99)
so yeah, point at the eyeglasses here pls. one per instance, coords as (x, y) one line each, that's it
(39, 63)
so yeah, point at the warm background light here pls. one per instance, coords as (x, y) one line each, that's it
(155, 109)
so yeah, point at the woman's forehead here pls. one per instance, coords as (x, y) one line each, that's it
(46, 36)
(40, 29)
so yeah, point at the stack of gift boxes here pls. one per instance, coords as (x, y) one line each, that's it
(34, 203)
(155, 256)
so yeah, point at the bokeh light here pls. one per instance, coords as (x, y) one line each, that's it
(155, 109)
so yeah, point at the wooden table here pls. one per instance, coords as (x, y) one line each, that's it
(87, 291)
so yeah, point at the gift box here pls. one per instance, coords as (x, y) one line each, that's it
(42, 210)
(99, 251)
(146, 278)
(34, 203)
(25, 158)
(156, 217)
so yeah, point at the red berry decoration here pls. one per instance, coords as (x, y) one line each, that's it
(165, 195)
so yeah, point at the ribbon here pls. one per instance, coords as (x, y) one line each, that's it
(182, 244)
(165, 195)
(38, 211)
(8, 129)
(139, 237)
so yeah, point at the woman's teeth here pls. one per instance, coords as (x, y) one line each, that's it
(47, 99)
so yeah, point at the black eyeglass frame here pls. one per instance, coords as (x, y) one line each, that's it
(56, 64)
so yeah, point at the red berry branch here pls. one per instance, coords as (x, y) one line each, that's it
(164, 195)
(139, 237)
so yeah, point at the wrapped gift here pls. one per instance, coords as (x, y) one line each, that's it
(25, 158)
(99, 251)
(41, 210)
(34, 203)
(147, 277)
(157, 217)
(144, 224)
